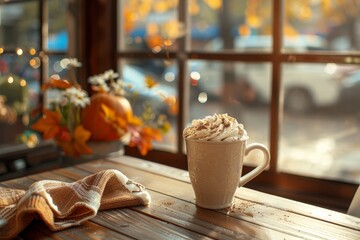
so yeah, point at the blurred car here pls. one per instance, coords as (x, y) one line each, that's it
(351, 87)
(305, 86)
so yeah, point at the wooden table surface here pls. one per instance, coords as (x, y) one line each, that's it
(172, 213)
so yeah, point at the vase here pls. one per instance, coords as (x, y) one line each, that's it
(101, 149)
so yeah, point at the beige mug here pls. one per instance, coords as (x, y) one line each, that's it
(215, 170)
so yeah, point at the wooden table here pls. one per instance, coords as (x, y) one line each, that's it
(173, 215)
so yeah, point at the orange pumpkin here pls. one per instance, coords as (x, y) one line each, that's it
(92, 116)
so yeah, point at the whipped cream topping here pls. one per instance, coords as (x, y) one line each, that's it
(219, 127)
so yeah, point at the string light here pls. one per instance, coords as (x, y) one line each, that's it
(10, 80)
(32, 51)
(23, 82)
(19, 51)
(35, 62)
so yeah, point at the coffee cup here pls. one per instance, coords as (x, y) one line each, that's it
(215, 169)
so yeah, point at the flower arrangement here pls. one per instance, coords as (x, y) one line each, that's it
(74, 118)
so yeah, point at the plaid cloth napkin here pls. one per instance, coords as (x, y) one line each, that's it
(61, 205)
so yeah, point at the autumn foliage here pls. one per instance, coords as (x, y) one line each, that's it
(141, 136)
(74, 118)
(52, 128)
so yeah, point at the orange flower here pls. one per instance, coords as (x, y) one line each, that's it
(142, 137)
(57, 83)
(77, 146)
(118, 123)
(134, 121)
(49, 124)
(64, 134)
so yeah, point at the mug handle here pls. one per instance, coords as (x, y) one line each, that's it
(261, 167)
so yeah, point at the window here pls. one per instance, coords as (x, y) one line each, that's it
(34, 45)
(286, 69)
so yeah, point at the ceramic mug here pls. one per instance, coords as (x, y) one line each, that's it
(215, 170)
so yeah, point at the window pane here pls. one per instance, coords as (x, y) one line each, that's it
(242, 90)
(57, 25)
(309, 85)
(321, 25)
(19, 94)
(153, 94)
(19, 25)
(149, 25)
(233, 24)
(320, 133)
(20, 30)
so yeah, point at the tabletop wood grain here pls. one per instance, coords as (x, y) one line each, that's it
(172, 213)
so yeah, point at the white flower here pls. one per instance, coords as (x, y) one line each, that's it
(76, 96)
(100, 82)
(97, 80)
(110, 74)
(104, 88)
(73, 62)
(118, 87)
